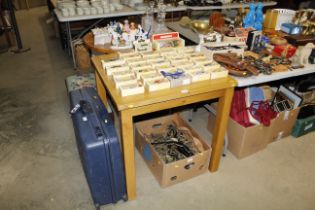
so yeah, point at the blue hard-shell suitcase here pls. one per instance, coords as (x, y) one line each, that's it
(98, 147)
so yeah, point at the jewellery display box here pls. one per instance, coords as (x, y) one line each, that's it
(131, 89)
(199, 75)
(122, 68)
(119, 74)
(125, 80)
(157, 84)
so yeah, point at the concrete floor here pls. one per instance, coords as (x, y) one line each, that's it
(40, 167)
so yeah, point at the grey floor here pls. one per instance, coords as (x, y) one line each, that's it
(40, 167)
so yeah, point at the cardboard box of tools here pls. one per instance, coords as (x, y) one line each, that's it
(171, 173)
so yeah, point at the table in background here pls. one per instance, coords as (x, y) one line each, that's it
(140, 104)
(261, 78)
(125, 12)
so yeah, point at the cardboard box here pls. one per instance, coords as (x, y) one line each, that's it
(243, 142)
(175, 172)
(283, 124)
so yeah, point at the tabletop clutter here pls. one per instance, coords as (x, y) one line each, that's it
(248, 45)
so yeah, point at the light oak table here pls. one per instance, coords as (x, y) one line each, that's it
(135, 105)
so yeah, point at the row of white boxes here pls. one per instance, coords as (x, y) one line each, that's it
(133, 73)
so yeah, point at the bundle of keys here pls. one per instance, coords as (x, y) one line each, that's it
(175, 145)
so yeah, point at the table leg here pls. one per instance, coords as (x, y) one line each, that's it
(70, 44)
(126, 125)
(100, 87)
(220, 128)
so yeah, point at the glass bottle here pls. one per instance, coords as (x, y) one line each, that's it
(148, 19)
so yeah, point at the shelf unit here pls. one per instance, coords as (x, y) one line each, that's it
(126, 11)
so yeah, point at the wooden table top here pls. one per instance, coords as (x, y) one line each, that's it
(160, 96)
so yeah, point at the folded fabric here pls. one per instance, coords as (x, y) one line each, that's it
(239, 111)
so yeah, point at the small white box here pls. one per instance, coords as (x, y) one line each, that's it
(138, 64)
(180, 62)
(112, 63)
(157, 84)
(185, 65)
(179, 81)
(219, 73)
(201, 61)
(162, 65)
(144, 72)
(125, 80)
(128, 54)
(122, 74)
(140, 67)
(186, 50)
(150, 55)
(196, 55)
(134, 58)
(193, 69)
(199, 75)
(156, 60)
(131, 89)
(212, 66)
(149, 77)
(168, 43)
(111, 70)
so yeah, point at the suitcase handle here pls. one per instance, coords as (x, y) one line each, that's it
(86, 106)
(83, 105)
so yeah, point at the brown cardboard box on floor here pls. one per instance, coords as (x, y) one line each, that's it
(283, 124)
(242, 141)
(175, 172)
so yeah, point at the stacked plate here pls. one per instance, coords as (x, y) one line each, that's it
(65, 4)
(85, 7)
(83, 3)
